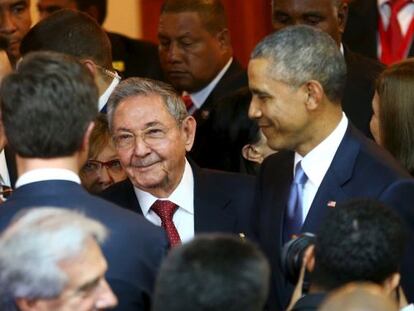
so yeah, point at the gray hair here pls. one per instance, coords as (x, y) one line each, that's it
(32, 247)
(301, 53)
(146, 87)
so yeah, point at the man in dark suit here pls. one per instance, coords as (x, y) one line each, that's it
(297, 76)
(362, 28)
(48, 108)
(152, 132)
(197, 59)
(131, 57)
(331, 16)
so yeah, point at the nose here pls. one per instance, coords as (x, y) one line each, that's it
(174, 53)
(104, 177)
(141, 148)
(254, 110)
(7, 23)
(105, 297)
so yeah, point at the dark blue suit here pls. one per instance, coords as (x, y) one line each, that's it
(360, 169)
(134, 248)
(222, 201)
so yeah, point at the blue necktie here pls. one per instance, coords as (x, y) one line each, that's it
(293, 215)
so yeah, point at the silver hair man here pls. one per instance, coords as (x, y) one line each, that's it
(146, 87)
(40, 251)
(300, 54)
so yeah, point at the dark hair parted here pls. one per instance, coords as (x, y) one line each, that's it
(396, 111)
(215, 273)
(47, 105)
(70, 32)
(211, 12)
(361, 240)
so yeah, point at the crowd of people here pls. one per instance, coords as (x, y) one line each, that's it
(144, 177)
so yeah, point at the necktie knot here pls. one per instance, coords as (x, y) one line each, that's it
(188, 102)
(397, 5)
(300, 176)
(165, 210)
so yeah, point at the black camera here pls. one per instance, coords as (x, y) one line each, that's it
(292, 257)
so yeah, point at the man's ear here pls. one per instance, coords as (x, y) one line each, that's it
(86, 137)
(309, 258)
(188, 130)
(391, 283)
(342, 16)
(315, 93)
(90, 65)
(223, 38)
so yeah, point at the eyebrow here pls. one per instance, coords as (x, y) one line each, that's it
(89, 285)
(147, 125)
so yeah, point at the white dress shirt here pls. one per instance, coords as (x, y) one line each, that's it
(4, 172)
(317, 162)
(43, 174)
(183, 196)
(404, 17)
(200, 97)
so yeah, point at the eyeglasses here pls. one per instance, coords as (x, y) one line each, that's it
(94, 167)
(151, 136)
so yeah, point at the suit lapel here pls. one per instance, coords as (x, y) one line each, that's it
(331, 190)
(211, 210)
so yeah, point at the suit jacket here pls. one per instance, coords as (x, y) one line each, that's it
(359, 169)
(362, 73)
(234, 79)
(133, 250)
(222, 201)
(139, 58)
(361, 30)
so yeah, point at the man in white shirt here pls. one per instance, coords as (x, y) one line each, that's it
(76, 34)
(297, 77)
(363, 31)
(152, 133)
(48, 107)
(197, 59)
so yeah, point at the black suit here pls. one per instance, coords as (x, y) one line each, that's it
(359, 169)
(361, 30)
(222, 201)
(309, 302)
(359, 89)
(139, 58)
(11, 165)
(234, 79)
(134, 248)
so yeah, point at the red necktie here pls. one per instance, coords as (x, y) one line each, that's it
(393, 37)
(188, 102)
(165, 210)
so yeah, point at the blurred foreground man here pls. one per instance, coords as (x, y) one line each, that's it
(50, 260)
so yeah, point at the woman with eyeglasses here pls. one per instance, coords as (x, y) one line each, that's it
(103, 167)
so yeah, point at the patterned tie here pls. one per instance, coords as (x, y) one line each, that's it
(165, 210)
(293, 216)
(393, 34)
(188, 102)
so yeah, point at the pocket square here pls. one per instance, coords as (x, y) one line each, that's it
(331, 204)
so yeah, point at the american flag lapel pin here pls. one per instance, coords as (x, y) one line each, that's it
(242, 236)
(331, 204)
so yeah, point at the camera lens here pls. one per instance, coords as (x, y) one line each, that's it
(292, 255)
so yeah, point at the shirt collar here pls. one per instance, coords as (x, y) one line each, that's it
(103, 99)
(316, 163)
(183, 195)
(200, 97)
(43, 174)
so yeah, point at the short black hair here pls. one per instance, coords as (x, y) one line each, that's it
(70, 32)
(211, 12)
(215, 272)
(47, 105)
(361, 240)
(101, 6)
